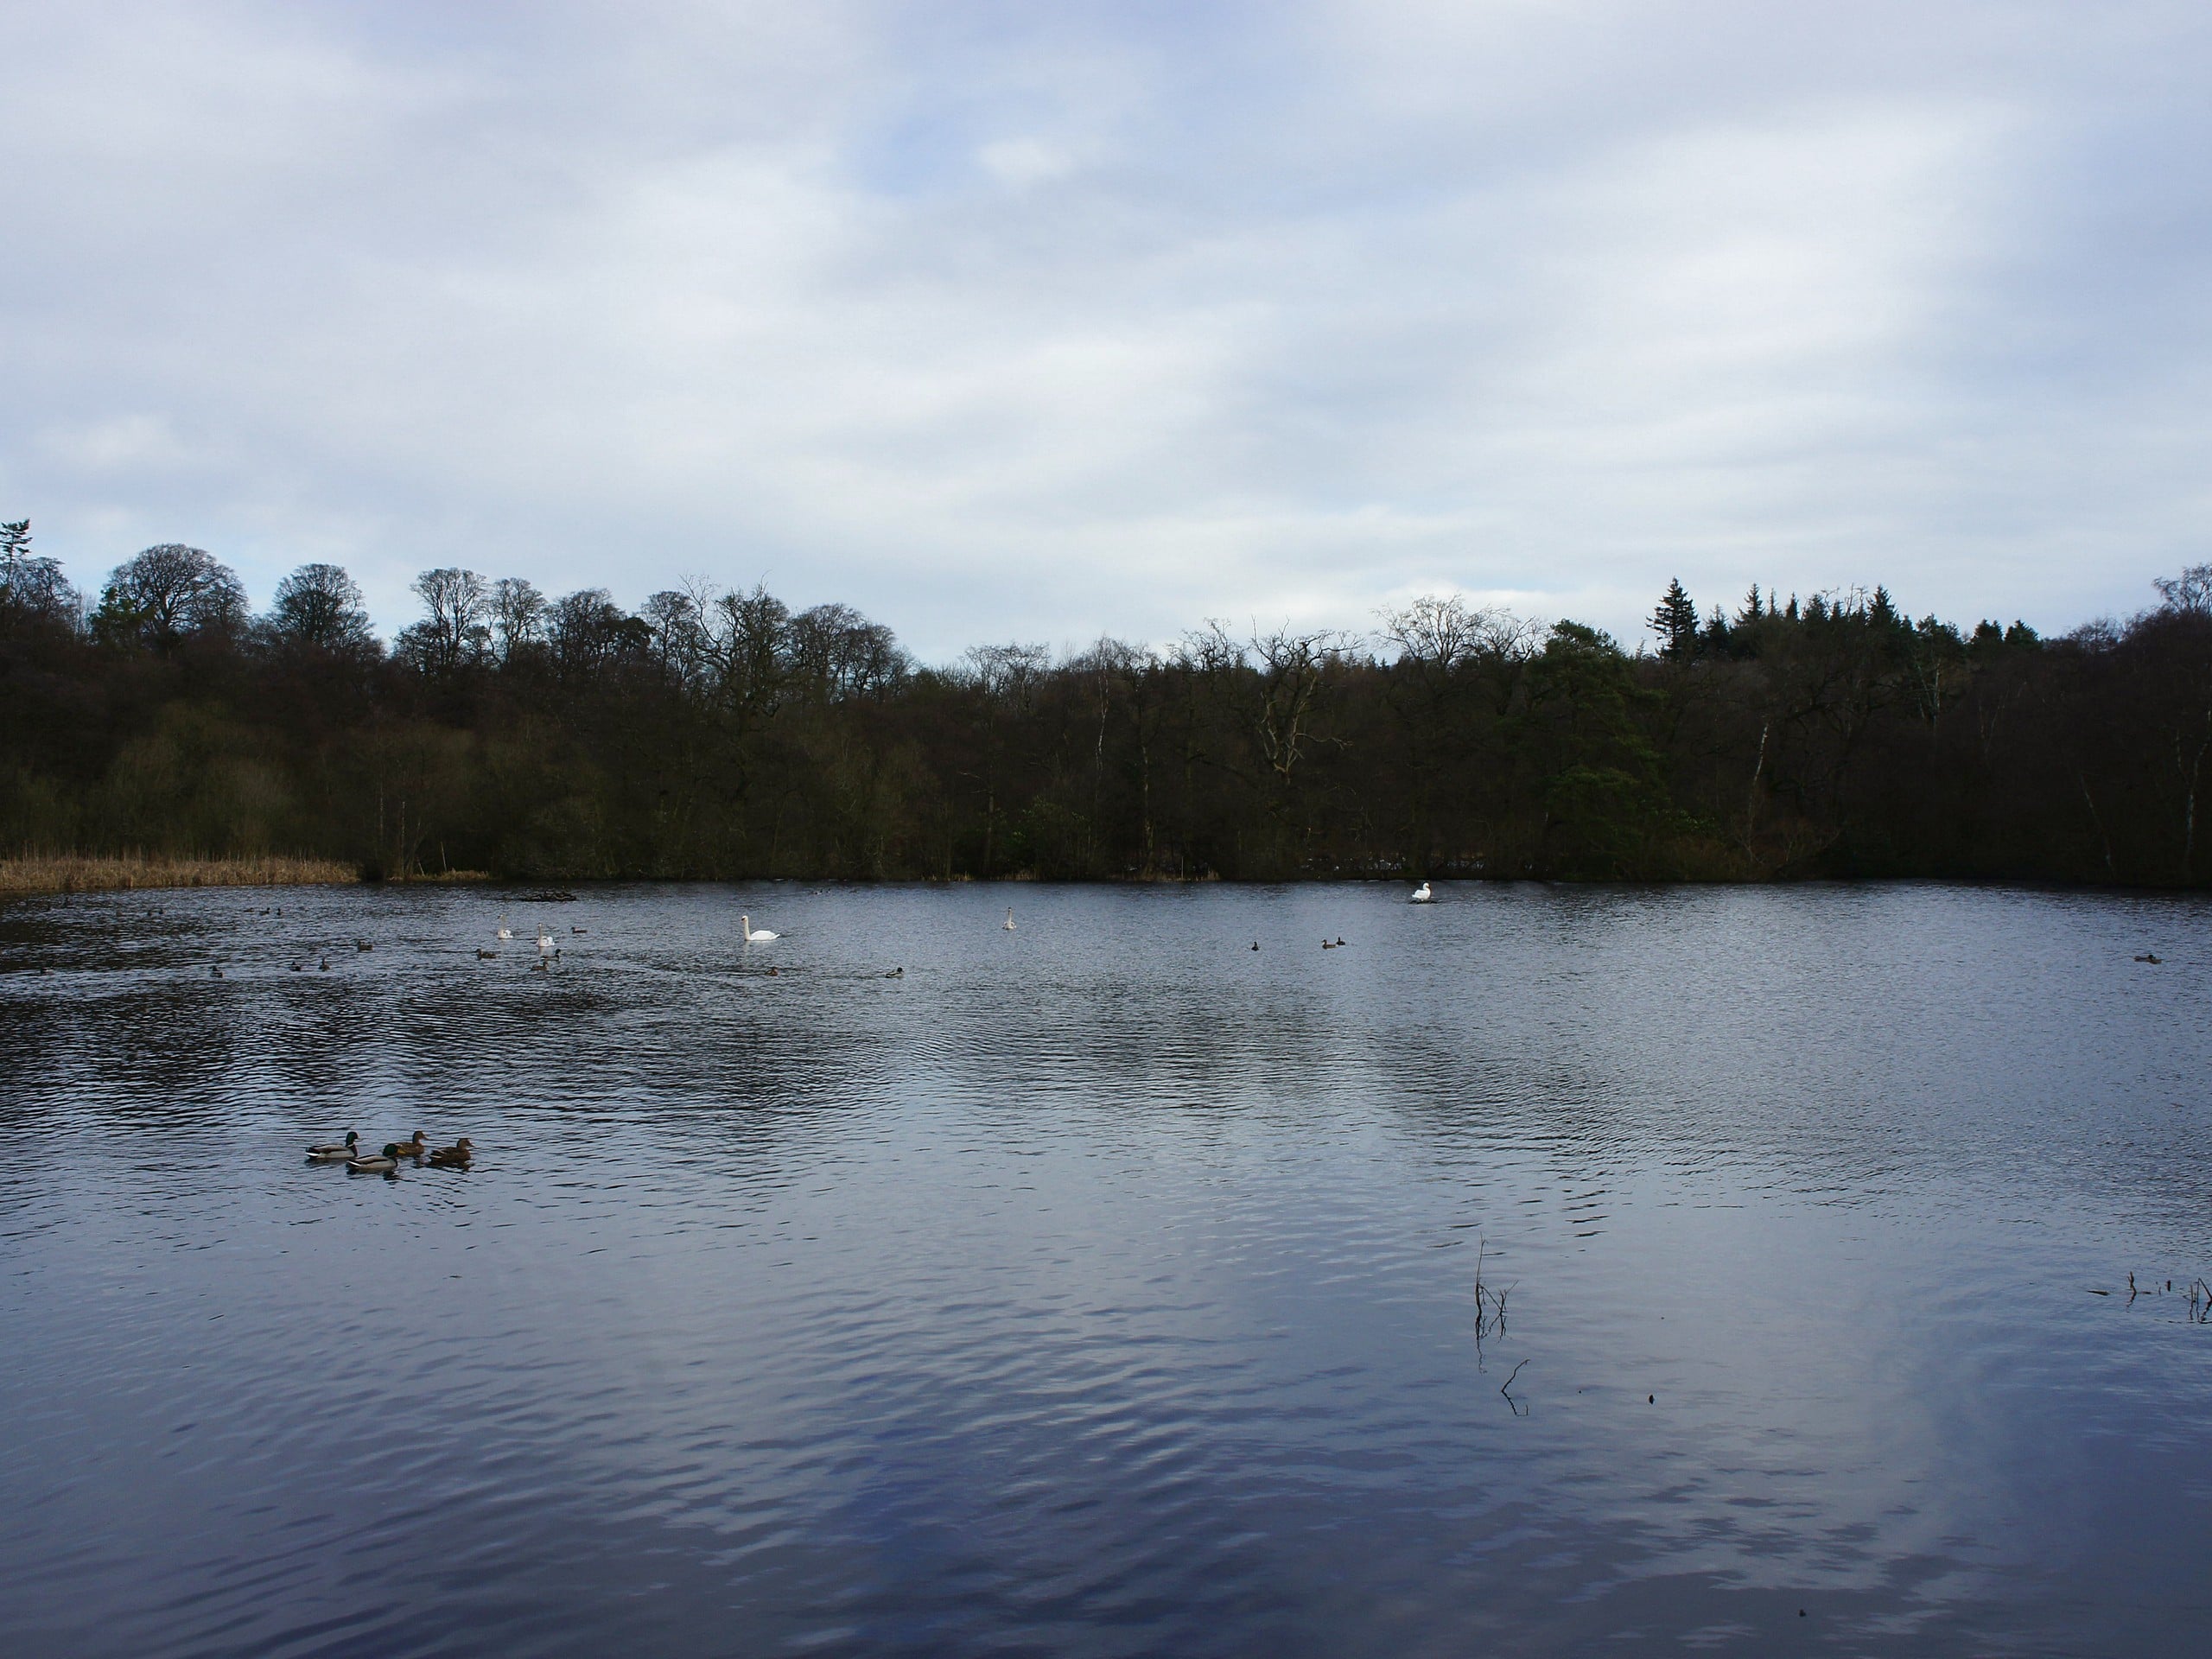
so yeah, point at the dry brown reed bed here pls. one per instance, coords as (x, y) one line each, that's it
(37, 872)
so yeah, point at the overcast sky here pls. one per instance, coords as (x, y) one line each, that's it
(1036, 321)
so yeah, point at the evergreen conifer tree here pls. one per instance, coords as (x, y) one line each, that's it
(1675, 623)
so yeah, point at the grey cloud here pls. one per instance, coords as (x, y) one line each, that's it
(1000, 323)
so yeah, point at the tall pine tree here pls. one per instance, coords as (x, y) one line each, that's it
(1675, 623)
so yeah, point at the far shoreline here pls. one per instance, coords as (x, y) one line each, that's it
(34, 876)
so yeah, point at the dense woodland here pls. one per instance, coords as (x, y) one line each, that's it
(720, 733)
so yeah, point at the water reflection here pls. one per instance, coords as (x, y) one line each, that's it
(1105, 1286)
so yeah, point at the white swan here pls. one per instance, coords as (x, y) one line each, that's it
(544, 943)
(1422, 895)
(1009, 918)
(506, 932)
(754, 935)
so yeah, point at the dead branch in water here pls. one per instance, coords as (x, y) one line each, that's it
(1506, 1389)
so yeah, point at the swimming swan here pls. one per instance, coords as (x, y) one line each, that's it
(1422, 895)
(1008, 923)
(754, 935)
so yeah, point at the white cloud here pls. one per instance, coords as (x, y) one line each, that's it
(127, 445)
(1020, 162)
(1036, 326)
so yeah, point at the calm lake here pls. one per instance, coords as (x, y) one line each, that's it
(1106, 1286)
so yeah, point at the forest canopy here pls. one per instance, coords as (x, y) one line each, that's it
(716, 733)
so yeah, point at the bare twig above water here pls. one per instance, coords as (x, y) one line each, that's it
(1520, 1408)
(1490, 1304)
(2198, 1291)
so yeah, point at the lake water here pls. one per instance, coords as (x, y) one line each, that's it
(1106, 1286)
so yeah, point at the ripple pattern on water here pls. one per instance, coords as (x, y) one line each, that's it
(1107, 1286)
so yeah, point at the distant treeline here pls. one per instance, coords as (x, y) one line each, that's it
(718, 734)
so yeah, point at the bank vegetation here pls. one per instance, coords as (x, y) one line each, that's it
(720, 733)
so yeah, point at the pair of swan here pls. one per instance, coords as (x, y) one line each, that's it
(545, 945)
(544, 935)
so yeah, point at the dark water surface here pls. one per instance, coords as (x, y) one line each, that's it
(1107, 1287)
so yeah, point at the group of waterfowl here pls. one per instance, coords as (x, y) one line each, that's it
(348, 1152)
(547, 949)
(1422, 895)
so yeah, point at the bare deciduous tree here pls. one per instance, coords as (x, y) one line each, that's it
(1008, 673)
(31, 585)
(167, 592)
(2189, 592)
(517, 619)
(320, 606)
(1287, 670)
(457, 631)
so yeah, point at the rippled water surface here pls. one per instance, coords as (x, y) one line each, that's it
(1107, 1286)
